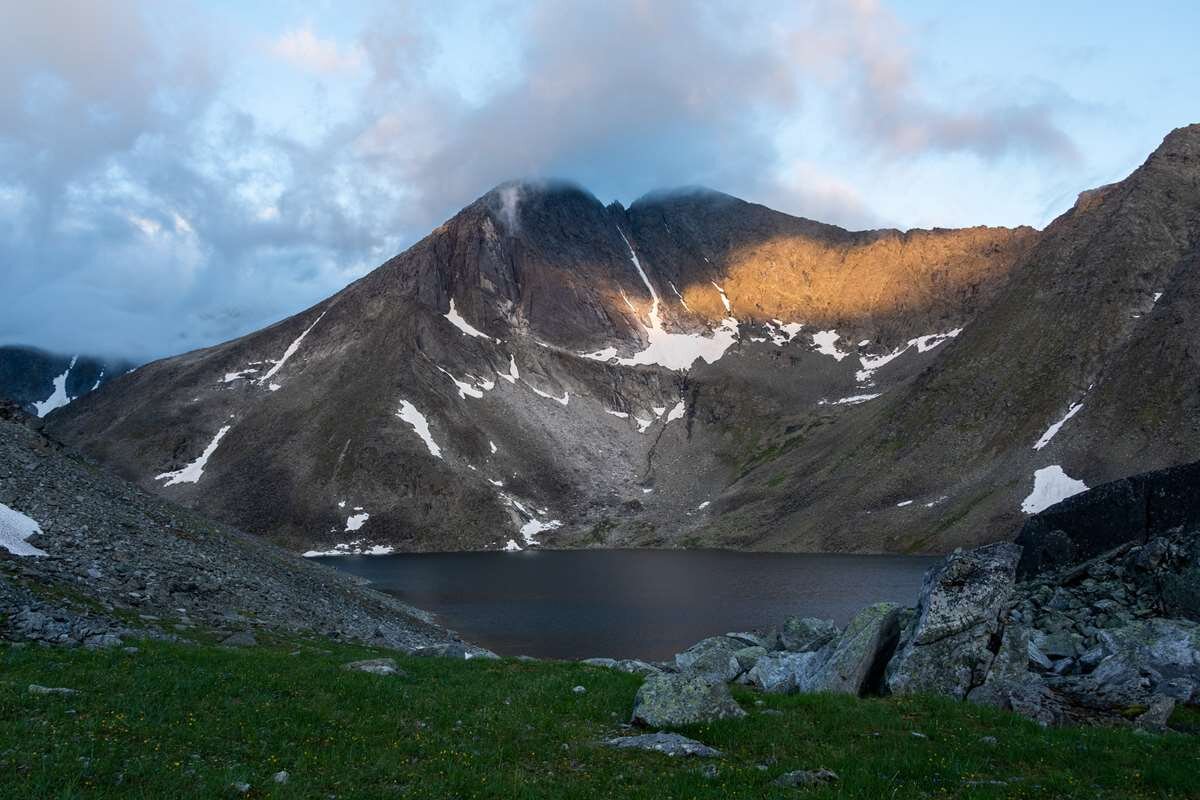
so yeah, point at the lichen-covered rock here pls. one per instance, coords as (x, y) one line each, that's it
(804, 634)
(668, 700)
(670, 744)
(783, 672)
(629, 665)
(858, 655)
(374, 666)
(1166, 653)
(949, 648)
(714, 657)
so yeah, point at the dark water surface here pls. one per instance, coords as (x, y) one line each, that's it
(645, 604)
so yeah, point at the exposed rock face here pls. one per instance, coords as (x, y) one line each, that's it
(802, 634)
(665, 701)
(948, 649)
(1129, 510)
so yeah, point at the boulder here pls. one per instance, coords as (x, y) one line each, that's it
(671, 744)
(714, 657)
(1165, 652)
(375, 666)
(782, 672)
(628, 665)
(805, 634)
(807, 778)
(670, 700)
(856, 659)
(240, 639)
(949, 648)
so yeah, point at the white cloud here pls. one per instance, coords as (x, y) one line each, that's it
(304, 50)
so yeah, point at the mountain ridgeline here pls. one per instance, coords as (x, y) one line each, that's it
(693, 371)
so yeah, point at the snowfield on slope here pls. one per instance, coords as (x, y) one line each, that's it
(15, 528)
(1051, 485)
(195, 470)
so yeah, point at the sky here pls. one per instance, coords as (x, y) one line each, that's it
(176, 173)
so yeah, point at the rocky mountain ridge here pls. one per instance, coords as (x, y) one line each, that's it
(545, 370)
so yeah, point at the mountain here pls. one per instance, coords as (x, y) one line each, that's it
(694, 370)
(41, 382)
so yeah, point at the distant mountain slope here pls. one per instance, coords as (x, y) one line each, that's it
(42, 382)
(1085, 368)
(519, 376)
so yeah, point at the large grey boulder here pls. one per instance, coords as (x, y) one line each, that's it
(715, 657)
(858, 655)
(845, 664)
(1165, 652)
(949, 648)
(668, 700)
(783, 673)
(804, 634)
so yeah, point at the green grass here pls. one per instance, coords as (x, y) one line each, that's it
(187, 721)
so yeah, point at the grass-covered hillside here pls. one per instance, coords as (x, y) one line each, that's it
(173, 721)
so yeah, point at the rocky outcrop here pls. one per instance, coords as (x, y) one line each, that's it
(669, 744)
(669, 700)
(948, 648)
(1127, 511)
(121, 563)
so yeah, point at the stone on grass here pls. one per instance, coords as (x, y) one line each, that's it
(375, 666)
(671, 744)
(669, 700)
(807, 779)
(240, 639)
(629, 665)
(59, 690)
(948, 649)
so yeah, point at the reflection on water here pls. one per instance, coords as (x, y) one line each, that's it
(631, 603)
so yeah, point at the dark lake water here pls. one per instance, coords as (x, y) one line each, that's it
(645, 604)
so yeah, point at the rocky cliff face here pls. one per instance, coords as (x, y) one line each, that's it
(694, 370)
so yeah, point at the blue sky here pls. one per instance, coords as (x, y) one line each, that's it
(173, 174)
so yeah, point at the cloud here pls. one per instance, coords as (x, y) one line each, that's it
(859, 50)
(304, 50)
(151, 203)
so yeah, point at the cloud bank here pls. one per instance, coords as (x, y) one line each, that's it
(154, 198)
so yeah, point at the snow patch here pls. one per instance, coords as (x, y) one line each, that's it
(193, 471)
(408, 412)
(356, 521)
(534, 527)
(643, 424)
(457, 321)
(1051, 485)
(825, 343)
(724, 297)
(670, 350)
(465, 389)
(704, 505)
(782, 333)
(512, 546)
(15, 528)
(904, 503)
(676, 412)
(677, 294)
(230, 377)
(355, 548)
(853, 400)
(291, 351)
(564, 400)
(58, 398)
(1053, 429)
(492, 446)
(617, 414)
(923, 344)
